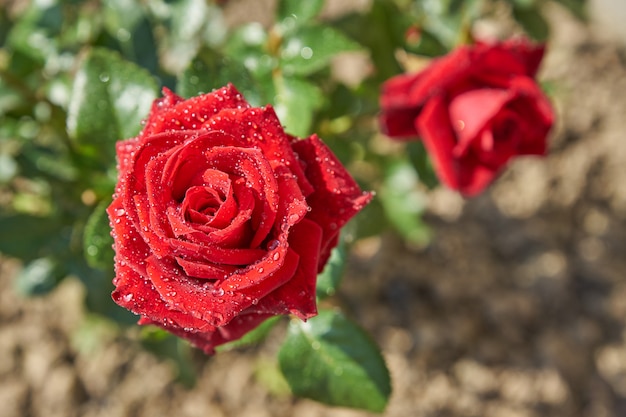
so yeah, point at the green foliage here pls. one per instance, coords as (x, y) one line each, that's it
(39, 276)
(331, 360)
(298, 12)
(329, 279)
(311, 48)
(27, 237)
(97, 238)
(210, 70)
(448, 20)
(109, 99)
(403, 201)
(295, 102)
(533, 21)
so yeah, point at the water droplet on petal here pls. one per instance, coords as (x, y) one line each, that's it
(273, 244)
(217, 291)
(276, 256)
(120, 212)
(127, 297)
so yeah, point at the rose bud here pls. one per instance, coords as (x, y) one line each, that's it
(474, 109)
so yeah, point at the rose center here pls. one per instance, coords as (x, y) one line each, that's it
(201, 203)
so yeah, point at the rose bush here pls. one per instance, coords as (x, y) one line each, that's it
(474, 109)
(220, 219)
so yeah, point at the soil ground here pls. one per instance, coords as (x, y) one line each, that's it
(516, 309)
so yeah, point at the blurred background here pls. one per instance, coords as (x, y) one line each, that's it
(511, 304)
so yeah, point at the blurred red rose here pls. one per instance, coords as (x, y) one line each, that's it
(220, 219)
(474, 109)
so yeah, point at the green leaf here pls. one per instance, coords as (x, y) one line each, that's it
(524, 4)
(247, 45)
(311, 48)
(331, 360)
(35, 33)
(448, 20)
(110, 97)
(297, 12)
(190, 24)
(296, 101)
(329, 279)
(210, 70)
(533, 22)
(428, 45)
(39, 277)
(5, 25)
(128, 23)
(26, 237)
(422, 164)
(97, 240)
(403, 202)
(121, 15)
(253, 337)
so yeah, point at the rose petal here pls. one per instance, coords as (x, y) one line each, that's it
(471, 111)
(205, 270)
(297, 295)
(218, 304)
(337, 197)
(173, 113)
(207, 341)
(136, 294)
(261, 127)
(439, 140)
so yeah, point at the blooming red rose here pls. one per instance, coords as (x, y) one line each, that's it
(220, 219)
(474, 109)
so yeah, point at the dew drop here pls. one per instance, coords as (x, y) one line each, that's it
(217, 291)
(276, 256)
(273, 244)
(306, 52)
(261, 270)
(293, 218)
(127, 297)
(120, 212)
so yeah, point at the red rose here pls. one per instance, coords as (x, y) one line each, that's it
(221, 219)
(474, 108)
